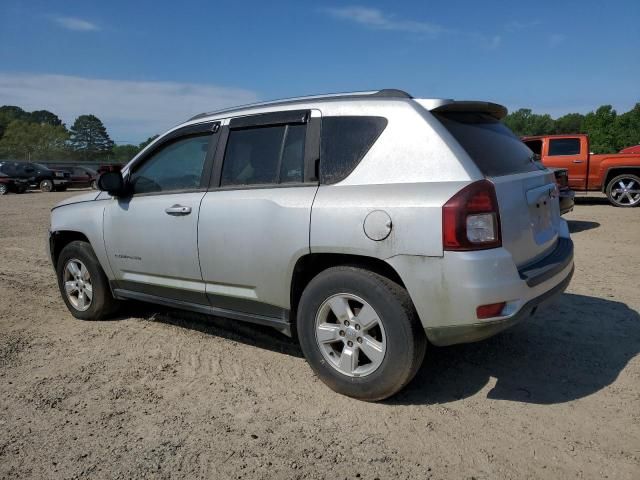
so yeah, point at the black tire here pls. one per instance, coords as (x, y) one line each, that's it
(405, 338)
(46, 185)
(613, 193)
(102, 303)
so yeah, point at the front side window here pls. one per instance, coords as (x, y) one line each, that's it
(564, 146)
(264, 155)
(176, 166)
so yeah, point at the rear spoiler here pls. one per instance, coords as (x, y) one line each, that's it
(441, 106)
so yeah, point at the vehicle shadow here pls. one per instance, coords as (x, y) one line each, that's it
(573, 349)
(576, 226)
(250, 334)
(579, 200)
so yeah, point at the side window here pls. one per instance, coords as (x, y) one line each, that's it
(564, 146)
(344, 142)
(264, 155)
(535, 146)
(176, 166)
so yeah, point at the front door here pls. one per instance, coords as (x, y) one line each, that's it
(151, 237)
(572, 154)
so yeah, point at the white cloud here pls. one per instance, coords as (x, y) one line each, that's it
(131, 110)
(76, 24)
(378, 20)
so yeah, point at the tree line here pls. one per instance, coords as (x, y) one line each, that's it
(608, 131)
(41, 135)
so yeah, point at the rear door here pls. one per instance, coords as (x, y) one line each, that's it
(571, 153)
(527, 192)
(152, 237)
(254, 221)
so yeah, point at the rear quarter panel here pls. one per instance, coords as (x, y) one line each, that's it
(600, 165)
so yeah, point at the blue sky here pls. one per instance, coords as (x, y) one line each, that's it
(143, 66)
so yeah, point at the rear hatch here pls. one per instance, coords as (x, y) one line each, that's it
(526, 191)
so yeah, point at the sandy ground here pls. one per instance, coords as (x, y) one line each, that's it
(163, 394)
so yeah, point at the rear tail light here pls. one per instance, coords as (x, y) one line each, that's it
(470, 219)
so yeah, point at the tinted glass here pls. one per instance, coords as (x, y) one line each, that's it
(265, 155)
(344, 142)
(535, 146)
(491, 145)
(177, 166)
(292, 166)
(564, 146)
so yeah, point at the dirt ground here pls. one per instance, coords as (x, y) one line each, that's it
(164, 394)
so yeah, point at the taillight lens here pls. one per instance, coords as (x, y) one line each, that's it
(470, 219)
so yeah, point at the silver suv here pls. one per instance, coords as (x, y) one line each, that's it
(364, 224)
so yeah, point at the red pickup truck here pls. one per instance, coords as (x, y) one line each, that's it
(616, 174)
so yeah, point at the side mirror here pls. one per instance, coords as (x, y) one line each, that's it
(112, 183)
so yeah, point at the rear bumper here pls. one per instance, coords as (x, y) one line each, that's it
(480, 331)
(446, 291)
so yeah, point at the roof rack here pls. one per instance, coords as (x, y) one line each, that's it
(384, 93)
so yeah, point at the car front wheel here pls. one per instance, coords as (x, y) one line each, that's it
(360, 333)
(3, 189)
(83, 284)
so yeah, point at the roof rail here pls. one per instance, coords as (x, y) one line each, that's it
(384, 93)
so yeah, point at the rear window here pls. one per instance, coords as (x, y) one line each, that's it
(344, 142)
(491, 145)
(564, 146)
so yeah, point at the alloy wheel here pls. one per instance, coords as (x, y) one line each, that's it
(626, 192)
(77, 284)
(350, 335)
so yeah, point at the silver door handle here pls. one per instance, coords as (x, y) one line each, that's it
(178, 210)
(577, 161)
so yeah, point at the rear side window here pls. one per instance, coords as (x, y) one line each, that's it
(491, 145)
(344, 142)
(564, 146)
(264, 155)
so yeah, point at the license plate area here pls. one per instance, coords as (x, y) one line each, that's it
(541, 202)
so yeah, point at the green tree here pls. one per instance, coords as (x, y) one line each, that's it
(601, 128)
(9, 113)
(89, 138)
(33, 141)
(147, 141)
(628, 127)
(525, 122)
(123, 153)
(44, 116)
(569, 123)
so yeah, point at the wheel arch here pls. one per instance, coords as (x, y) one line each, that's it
(613, 172)
(311, 264)
(60, 239)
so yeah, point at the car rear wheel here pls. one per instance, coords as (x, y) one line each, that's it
(83, 284)
(46, 185)
(3, 189)
(94, 185)
(360, 333)
(624, 190)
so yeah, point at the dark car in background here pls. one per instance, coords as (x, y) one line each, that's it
(567, 196)
(38, 176)
(9, 183)
(81, 177)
